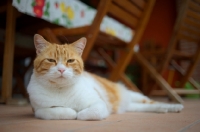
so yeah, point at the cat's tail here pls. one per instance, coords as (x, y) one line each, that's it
(141, 103)
(134, 101)
(157, 107)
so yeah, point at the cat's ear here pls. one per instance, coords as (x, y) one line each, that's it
(40, 43)
(79, 45)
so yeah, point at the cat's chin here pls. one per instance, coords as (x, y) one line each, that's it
(61, 80)
(61, 77)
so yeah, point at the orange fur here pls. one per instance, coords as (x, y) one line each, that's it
(56, 52)
(112, 91)
(66, 91)
(144, 101)
(148, 101)
(66, 52)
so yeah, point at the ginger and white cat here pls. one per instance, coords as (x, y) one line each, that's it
(60, 88)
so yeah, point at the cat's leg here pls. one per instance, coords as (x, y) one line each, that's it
(139, 98)
(156, 107)
(56, 113)
(95, 112)
(170, 107)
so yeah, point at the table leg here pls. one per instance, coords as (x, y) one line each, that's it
(9, 57)
(8, 53)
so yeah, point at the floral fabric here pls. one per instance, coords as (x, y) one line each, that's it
(71, 14)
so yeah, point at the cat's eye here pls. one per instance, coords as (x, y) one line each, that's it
(51, 60)
(70, 60)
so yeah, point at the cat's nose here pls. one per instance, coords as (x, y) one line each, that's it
(61, 70)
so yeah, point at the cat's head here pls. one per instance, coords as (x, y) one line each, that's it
(58, 63)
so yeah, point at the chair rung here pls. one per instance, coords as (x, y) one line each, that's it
(177, 90)
(184, 91)
(158, 93)
(156, 52)
(182, 54)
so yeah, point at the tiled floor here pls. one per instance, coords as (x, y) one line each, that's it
(21, 119)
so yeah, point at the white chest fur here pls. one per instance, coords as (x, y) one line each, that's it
(78, 97)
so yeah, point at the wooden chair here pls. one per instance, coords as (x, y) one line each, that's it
(132, 13)
(187, 32)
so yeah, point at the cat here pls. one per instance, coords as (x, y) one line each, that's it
(59, 87)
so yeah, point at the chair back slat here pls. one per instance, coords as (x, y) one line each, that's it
(188, 37)
(127, 12)
(123, 16)
(189, 25)
(190, 30)
(197, 1)
(194, 6)
(129, 7)
(139, 3)
(192, 23)
(194, 15)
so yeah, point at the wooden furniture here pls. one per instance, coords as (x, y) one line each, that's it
(8, 53)
(187, 32)
(9, 69)
(132, 13)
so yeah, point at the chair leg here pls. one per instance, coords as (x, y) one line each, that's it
(166, 61)
(125, 59)
(112, 64)
(158, 78)
(182, 72)
(191, 68)
(121, 66)
(169, 55)
(94, 28)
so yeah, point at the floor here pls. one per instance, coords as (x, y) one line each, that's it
(21, 119)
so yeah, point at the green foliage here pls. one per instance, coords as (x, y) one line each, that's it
(32, 4)
(68, 22)
(56, 21)
(18, 1)
(190, 87)
(46, 12)
(133, 73)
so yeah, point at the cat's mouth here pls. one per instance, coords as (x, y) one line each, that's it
(61, 77)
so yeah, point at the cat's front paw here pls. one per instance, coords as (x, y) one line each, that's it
(69, 114)
(88, 114)
(56, 113)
